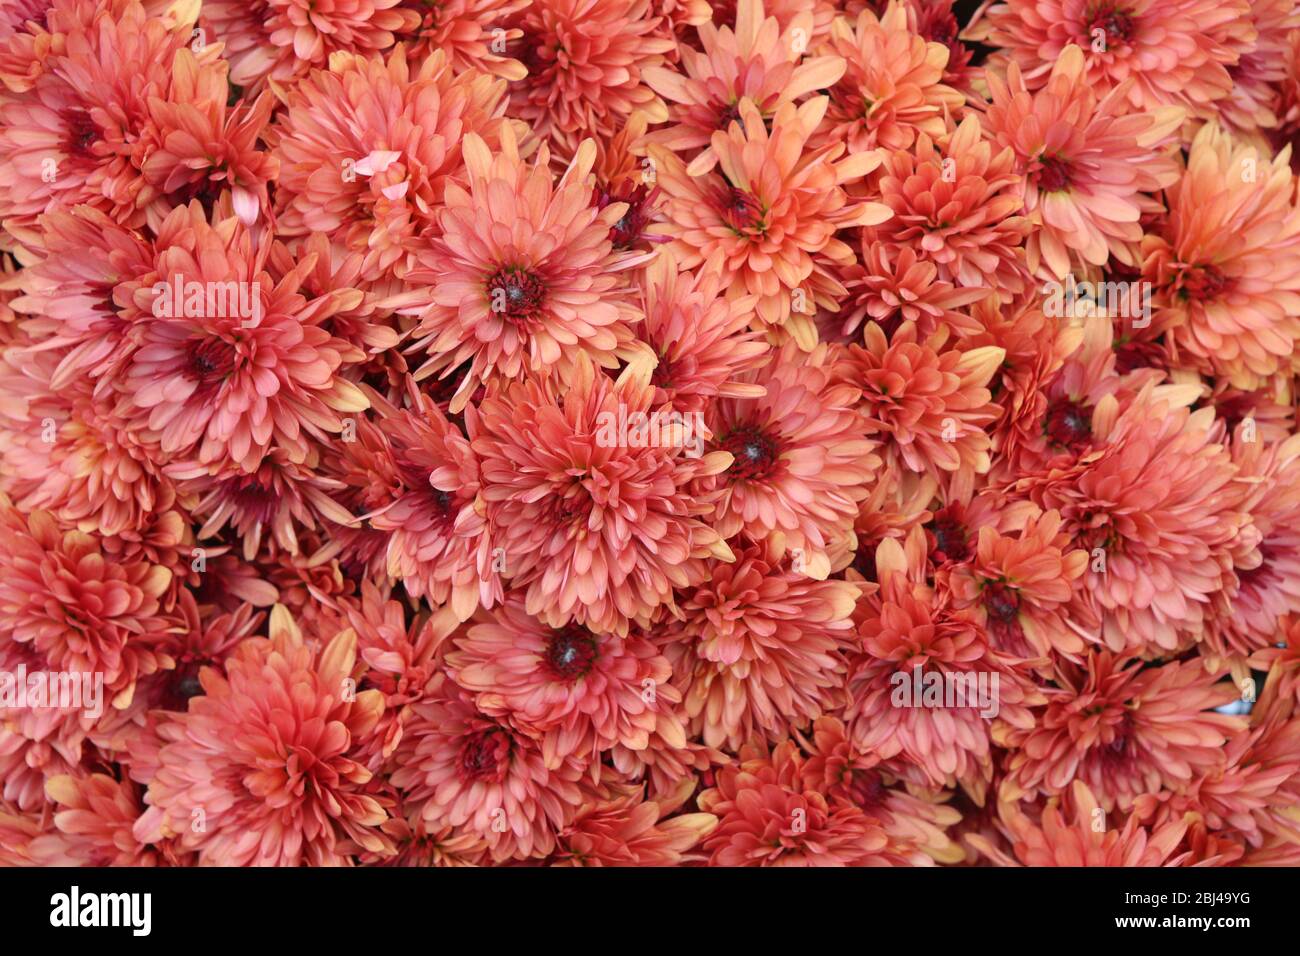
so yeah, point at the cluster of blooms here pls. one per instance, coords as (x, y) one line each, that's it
(577, 432)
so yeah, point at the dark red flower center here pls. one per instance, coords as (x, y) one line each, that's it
(741, 211)
(253, 498)
(1068, 423)
(209, 361)
(570, 652)
(951, 541)
(80, 133)
(1053, 173)
(1117, 24)
(483, 754)
(516, 293)
(1202, 283)
(754, 453)
(868, 789)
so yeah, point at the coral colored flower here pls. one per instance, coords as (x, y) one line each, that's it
(1086, 162)
(765, 219)
(627, 831)
(229, 387)
(891, 90)
(592, 515)
(465, 770)
(1225, 266)
(575, 691)
(1175, 51)
(523, 276)
(758, 61)
(801, 460)
(266, 755)
(759, 648)
(93, 824)
(1122, 730)
(585, 62)
(470, 33)
(891, 285)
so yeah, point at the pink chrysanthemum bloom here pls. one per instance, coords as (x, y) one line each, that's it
(470, 32)
(229, 387)
(438, 543)
(627, 830)
(1268, 585)
(82, 612)
(700, 337)
(26, 38)
(928, 400)
(913, 821)
(465, 770)
(765, 220)
(574, 691)
(892, 89)
(1225, 265)
(1159, 510)
(1086, 163)
(196, 142)
(958, 207)
(801, 459)
(1122, 729)
(368, 148)
(589, 502)
(1175, 51)
(759, 648)
(266, 757)
(768, 815)
(1254, 100)
(1023, 586)
(585, 61)
(523, 277)
(891, 284)
(75, 136)
(1077, 841)
(757, 61)
(281, 39)
(93, 824)
(71, 303)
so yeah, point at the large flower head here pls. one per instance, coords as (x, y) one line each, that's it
(586, 487)
(523, 276)
(231, 362)
(766, 219)
(266, 756)
(1086, 163)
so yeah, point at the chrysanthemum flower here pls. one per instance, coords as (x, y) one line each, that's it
(891, 285)
(523, 276)
(910, 628)
(757, 61)
(700, 337)
(769, 816)
(766, 219)
(759, 648)
(959, 207)
(1175, 51)
(93, 825)
(591, 512)
(1225, 266)
(1086, 163)
(929, 402)
(83, 613)
(439, 544)
(575, 691)
(1121, 729)
(1159, 510)
(470, 32)
(626, 830)
(892, 89)
(1076, 840)
(265, 755)
(1023, 586)
(281, 39)
(801, 460)
(585, 61)
(369, 147)
(463, 769)
(227, 388)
